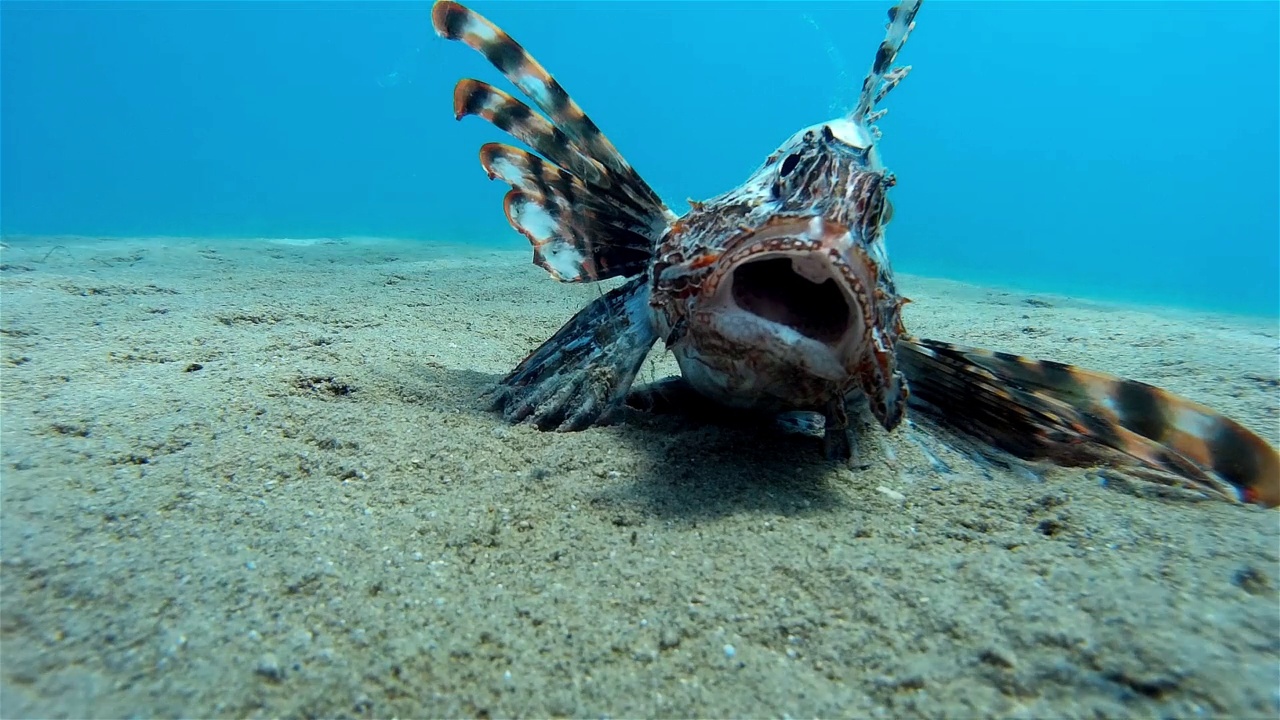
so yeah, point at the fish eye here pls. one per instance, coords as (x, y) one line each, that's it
(789, 164)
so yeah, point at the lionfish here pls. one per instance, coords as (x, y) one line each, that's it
(778, 296)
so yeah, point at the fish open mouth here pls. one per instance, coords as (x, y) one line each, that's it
(785, 290)
(794, 291)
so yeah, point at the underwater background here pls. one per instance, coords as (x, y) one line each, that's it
(1117, 150)
(255, 290)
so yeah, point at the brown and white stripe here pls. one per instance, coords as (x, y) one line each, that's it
(1040, 409)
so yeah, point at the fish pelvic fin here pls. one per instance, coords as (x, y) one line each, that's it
(1037, 409)
(603, 220)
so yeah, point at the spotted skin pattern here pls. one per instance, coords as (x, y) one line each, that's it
(820, 202)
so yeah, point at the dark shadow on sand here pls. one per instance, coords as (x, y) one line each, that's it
(693, 469)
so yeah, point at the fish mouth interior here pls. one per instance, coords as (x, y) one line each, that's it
(771, 289)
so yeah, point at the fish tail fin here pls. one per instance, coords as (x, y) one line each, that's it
(1036, 409)
(602, 220)
(884, 76)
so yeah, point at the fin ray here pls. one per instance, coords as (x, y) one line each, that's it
(582, 375)
(574, 234)
(626, 217)
(1047, 410)
(456, 22)
(473, 97)
(883, 77)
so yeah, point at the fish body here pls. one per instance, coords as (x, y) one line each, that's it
(778, 295)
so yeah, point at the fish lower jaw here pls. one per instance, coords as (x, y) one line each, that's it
(792, 311)
(742, 337)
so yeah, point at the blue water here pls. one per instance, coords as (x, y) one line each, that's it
(1117, 150)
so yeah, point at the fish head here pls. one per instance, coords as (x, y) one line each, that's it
(779, 292)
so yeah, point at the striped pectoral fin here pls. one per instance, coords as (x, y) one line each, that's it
(588, 214)
(582, 375)
(576, 236)
(456, 22)
(1047, 410)
(472, 97)
(1168, 428)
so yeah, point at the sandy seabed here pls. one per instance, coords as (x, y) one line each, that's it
(255, 478)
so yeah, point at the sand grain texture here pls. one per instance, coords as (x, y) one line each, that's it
(252, 478)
